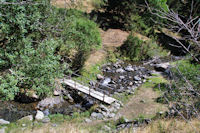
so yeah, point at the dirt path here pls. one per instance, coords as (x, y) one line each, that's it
(111, 39)
(142, 103)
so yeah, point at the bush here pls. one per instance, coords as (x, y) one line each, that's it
(80, 35)
(183, 90)
(36, 70)
(136, 49)
(187, 70)
(27, 54)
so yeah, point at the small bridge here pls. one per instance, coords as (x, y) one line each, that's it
(83, 87)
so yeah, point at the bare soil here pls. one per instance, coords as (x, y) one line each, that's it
(142, 103)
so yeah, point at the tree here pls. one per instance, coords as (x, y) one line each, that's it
(27, 54)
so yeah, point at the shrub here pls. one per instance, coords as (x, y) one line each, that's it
(27, 54)
(136, 49)
(189, 71)
(36, 69)
(80, 35)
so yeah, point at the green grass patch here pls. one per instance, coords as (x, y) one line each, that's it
(123, 97)
(154, 80)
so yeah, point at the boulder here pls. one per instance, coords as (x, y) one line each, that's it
(4, 122)
(49, 102)
(27, 118)
(39, 115)
(162, 67)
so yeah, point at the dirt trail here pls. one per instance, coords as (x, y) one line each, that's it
(142, 103)
(111, 39)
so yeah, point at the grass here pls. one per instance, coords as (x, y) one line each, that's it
(154, 80)
(123, 97)
(90, 74)
(172, 126)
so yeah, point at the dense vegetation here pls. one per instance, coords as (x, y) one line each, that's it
(39, 43)
(35, 38)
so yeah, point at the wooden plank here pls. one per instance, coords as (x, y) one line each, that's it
(98, 95)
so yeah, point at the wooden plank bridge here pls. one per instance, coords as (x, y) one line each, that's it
(89, 91)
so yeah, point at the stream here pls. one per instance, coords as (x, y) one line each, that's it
(119, 77)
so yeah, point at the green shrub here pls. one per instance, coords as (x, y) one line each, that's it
(80, 35)
(27, 52)
(36, 70)
(186, 70)
(136, 49)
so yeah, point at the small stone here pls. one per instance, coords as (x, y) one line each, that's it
(4, 122)
(116, 105)
(39, 115)
(100, 77)
(46, 119)
(137, 78)
(88, 120)
(56, 93)
(46, 112)
(103, 108)
(129, 69)
(142, 101)
(116, 65)
(92, 83)
(108, 68)
(97, 115)
(106, 128)
(122, 77)
(23, 125)
(111, 115)
(140, 82)
(106, 81)
(130, 83)
(120, 70)
(54, 125)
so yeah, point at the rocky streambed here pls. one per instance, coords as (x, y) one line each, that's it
(117, 78)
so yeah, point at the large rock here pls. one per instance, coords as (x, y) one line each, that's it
(39, 115)
(162, 67)
(27, 118)
(4, 122)
(49, 102)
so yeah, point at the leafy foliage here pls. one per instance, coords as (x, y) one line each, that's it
(27, 55)
(136, 49)
(34, 38)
